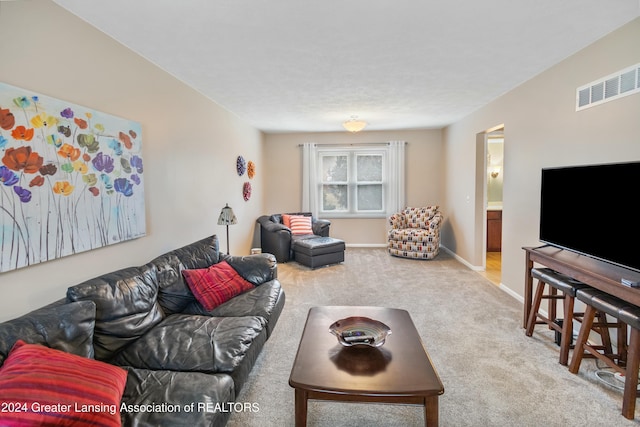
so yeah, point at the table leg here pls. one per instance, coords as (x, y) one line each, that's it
(528, 290)
(301, 407)
(431, 411)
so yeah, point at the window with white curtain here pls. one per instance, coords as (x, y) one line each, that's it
(354, 181)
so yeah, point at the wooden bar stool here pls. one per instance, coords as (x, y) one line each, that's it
(567, 287)
(626, 314)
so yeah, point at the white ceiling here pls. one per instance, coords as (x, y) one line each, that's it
(298, 65)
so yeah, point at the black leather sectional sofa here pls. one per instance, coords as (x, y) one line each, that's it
(146, 320)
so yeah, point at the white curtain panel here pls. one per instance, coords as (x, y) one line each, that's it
(396, 194)
(309, 178)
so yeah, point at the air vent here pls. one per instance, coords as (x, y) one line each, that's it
(613, 86)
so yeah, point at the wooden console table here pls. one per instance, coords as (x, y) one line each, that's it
(597, 274)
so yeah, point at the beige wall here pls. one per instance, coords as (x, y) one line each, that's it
(424, 175)
(189, 144)
(542, 129)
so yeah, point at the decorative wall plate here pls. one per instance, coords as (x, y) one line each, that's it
(241, 165)
(246, 191)
(251, 169)
(360, 331)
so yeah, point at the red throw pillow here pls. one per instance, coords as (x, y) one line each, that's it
(215, 285)
(43, 386)
(286, 220)
(301, 224)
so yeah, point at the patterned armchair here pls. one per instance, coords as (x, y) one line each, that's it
(415, 233)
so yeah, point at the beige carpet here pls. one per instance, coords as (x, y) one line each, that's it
(492, 373)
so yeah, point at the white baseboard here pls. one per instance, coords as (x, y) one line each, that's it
(511, 293)
(366, 245)
(462, 260)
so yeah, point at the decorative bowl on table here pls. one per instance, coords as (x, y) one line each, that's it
(358, 330)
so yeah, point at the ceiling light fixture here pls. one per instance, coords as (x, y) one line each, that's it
(354, 125)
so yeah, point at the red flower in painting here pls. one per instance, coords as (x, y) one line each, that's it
(125, 139)
(22, 158)
(38, 181)
(7, 121)
(82, 124)
(21, 132)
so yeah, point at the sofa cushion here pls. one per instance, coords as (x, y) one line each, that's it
(216, 284)
(126, 306)
(417, 235)
(193, 343)
(419, 217)
(173, 293)
(66, 327)
(58, 388)
(211, 395)
(301, 225)
(265, 301)
(257, 269)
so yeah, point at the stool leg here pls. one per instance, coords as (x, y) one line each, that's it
(533, 314)
(631, 376)
(567, 330)
(622, 343)
(553, 292)
(604, 332)
(583, 335)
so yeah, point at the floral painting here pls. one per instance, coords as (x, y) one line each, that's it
(71, 179)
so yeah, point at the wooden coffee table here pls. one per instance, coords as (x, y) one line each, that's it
(398, 372)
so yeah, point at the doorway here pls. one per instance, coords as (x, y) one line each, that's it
(493, 180)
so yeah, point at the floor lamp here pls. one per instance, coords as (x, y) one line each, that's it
(227, 217)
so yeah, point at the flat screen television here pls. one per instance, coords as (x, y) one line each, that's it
(592, 210)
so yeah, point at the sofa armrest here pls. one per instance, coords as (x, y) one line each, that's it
(398, 221)
(257, 269)
(436, 220)
(270, 226)
(275, 238)
(321, 227)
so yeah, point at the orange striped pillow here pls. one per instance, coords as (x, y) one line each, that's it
(44, 386)
(301, 224)
(286, 220)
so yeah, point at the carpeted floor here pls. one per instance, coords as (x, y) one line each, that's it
(492, 373)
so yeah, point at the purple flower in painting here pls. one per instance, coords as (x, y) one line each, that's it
(67, 113)
(136, 162)
(7, 176)
(136, 179)
(23, 193)
(103, 163)
(122, 185)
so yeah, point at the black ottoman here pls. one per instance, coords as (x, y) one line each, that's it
(318, 251)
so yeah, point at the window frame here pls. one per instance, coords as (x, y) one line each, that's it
(352, 182)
